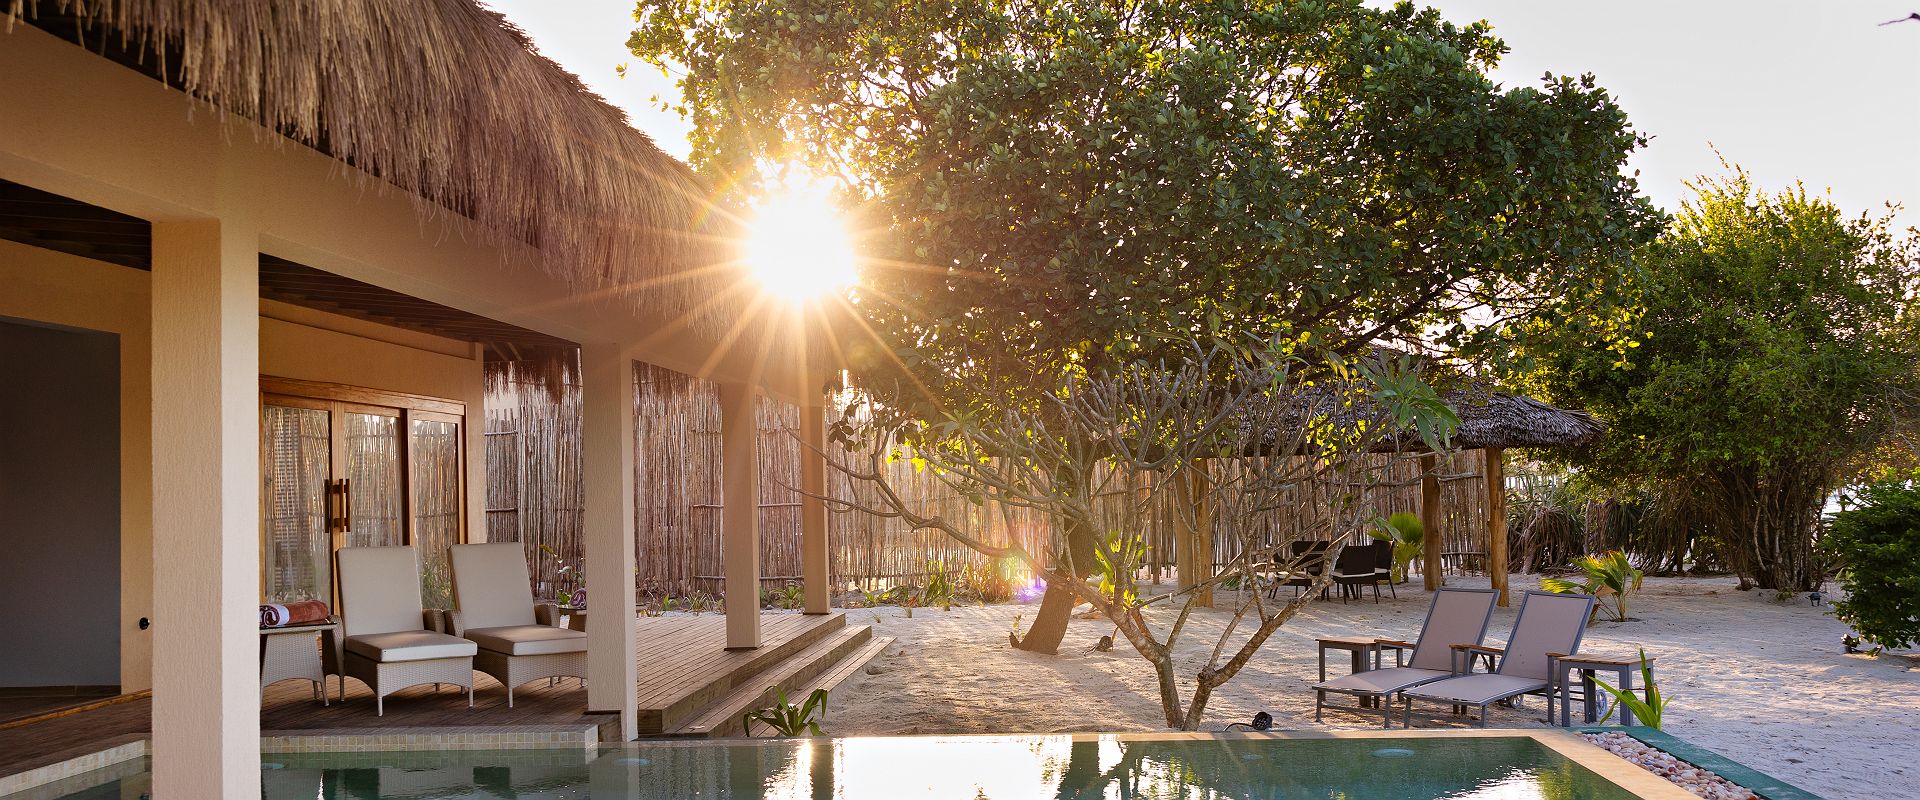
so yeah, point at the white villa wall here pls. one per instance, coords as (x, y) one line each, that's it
(304, 344)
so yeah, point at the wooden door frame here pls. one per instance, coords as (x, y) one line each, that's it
(338, 399)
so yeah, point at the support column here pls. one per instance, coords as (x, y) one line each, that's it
(815, 567)
(1497, 520)
(206, 509)
(1430, 520)
(607, 459)
(740, 515)
(1193, 528)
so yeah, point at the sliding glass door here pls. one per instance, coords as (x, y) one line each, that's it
(349, 467)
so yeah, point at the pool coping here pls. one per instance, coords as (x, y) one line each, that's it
(1567, 743)
(1751, 779)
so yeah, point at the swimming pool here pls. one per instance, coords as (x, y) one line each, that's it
(1509, 765)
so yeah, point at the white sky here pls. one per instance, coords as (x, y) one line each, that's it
(1812, 90)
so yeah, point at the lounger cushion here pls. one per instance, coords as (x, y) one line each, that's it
(490, 584)
(1474, 690)
(529, 640)
(1383, 681)
(388, 648)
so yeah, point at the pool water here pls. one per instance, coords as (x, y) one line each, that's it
(945, 768)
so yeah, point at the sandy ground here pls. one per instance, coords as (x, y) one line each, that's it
(1764, 683)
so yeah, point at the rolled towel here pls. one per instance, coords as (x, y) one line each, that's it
(299, 612)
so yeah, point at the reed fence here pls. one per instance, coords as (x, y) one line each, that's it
(535, 496)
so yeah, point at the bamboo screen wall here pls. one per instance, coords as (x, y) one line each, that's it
(534, 496)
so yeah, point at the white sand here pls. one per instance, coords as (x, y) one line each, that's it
(1763, 683)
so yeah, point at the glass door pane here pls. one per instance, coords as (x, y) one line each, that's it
(435, 488)
(297, 551)
(371, 466)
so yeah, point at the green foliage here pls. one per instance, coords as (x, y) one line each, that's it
(990, 581)
(1766, 343)
(939, 590)
(1066, 184)
(792, 596)
(1878, 547)
(1648, 711)
(1608, 574)
(1407, 533)
(787, 719)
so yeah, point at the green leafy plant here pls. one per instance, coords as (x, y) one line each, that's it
(940, 585)
(1877, 545)
(1406, 532)
(787, 719)
(1608, 574)
(1647, 711)
(792, 596)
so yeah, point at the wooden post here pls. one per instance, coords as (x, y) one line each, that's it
(1497, 520)
(1203, 531)
(1430, 520)
(740, 513)
(607, 429)
(814, 578)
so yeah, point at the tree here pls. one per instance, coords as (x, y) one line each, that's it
(1878, 545)
(1060, 187)
(1243, 448)
(1767, 344)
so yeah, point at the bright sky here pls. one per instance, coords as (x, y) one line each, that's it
(1813, 90)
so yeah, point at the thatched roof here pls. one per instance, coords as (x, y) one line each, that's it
(448, 101)
(1497, 419)
(1487, 419)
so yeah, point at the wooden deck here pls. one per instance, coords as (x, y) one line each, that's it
(683, 666)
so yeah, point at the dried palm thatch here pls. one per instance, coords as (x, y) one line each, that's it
(451, 103)
(1488, 419)
(1497, 419)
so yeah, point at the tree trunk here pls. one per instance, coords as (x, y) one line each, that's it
(1050, 624)
(1768, 525)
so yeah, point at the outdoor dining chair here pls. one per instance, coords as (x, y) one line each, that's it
(388, 644)
(1456, 617)
(497, 613)
(1549, 626)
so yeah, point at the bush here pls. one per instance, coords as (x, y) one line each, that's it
(1877, 547)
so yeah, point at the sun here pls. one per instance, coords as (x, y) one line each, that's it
(797, 245)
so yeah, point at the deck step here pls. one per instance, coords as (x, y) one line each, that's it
(722, 717)
(848, 667)
(682, 709)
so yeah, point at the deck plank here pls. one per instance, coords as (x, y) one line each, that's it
(677, 658)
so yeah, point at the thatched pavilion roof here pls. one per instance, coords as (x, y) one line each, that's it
(1497, 419)
(1488, 419)
(447, 101)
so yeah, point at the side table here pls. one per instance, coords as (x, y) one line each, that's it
(1363, 654)
(303, 652)
(1558, 673)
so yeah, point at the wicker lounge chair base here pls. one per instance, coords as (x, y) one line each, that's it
(385, 678)
(515, 671)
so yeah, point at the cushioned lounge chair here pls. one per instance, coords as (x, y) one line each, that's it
(388, 645)
(1456, 617)
(1549, 627)
(518, 639)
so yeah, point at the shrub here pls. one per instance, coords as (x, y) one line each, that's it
(1608, 574)
(1406, 532)
(1877, 547)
